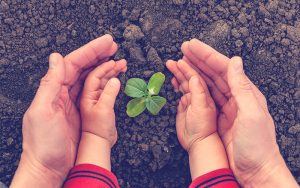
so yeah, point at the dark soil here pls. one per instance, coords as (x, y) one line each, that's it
(265, 33)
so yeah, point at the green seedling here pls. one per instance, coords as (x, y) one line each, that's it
(145, 96)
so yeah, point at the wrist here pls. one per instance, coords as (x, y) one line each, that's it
(274, 173)
(31, 173)
(94, 150)
(207, 155)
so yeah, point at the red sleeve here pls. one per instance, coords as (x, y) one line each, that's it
(221, 178)
(91, 176)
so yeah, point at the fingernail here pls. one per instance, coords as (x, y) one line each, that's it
(195, 80)
(114, 82)
(53, 60)
(238, 64)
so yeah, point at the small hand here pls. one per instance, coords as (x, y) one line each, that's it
(51, 124)
(196, 121)
(196, 114)
(244, 123)
(98, 98)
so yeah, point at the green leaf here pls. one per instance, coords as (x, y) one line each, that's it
(136, 87)
(136, 106)
(155, 83)
(155, 103)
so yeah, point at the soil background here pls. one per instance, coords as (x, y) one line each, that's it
(265, 33)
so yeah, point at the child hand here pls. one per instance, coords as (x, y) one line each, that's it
(98, 98)
(196, 113)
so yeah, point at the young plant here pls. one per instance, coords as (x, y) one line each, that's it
(145, 96)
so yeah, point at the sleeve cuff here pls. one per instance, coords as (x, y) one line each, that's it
(218, 178)
(89, 175)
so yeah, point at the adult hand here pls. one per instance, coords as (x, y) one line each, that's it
(244, 123)
(52, 122)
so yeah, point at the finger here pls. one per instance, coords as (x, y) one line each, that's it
(172, 66)
(93, 80)
(175, 84)
(109, 94)
(216, 94)
(53, 81)
(219, 79)
(88, 55)
(241, 88)
(189, 72)
(212, 58)
(198, 95)
(185, 100)
(120, 66)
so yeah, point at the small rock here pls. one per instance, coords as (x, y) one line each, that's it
(9, 141)
(293, 33)
(272, 5)
(65, 3)
(133, 32)
(179, 2)
(147, 23)
(244, 31)
(153, 56)
(242, 18)
(2, 185)
(135, 14)
(4, 6)
(218, 32)
(235, 33)
(92, 9)
(239, 43)
(148, 73)
(61, 39)
(9, 21)
(136, 54)
(41, 42)
(156, 150)
(144, 147)
(294, 129)
(285, 42)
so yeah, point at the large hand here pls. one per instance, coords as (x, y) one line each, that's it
(52, 122)
(244, 123)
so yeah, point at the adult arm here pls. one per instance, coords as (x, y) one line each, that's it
(244, 122)
(51, 124)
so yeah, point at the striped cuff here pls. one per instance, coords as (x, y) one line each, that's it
(221, 178)
(92, 176)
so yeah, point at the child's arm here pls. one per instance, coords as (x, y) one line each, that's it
(207, 155)
(94, 150)
(197, 129)
(99, 132)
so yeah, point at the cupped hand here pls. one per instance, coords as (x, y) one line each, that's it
(196, 113)
(244, 123)
(51, 124)
(98, 99)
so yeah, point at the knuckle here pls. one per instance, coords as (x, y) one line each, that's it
(30, 114)
(244, 84)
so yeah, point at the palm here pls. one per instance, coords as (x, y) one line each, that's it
(213, 66)
(52, 122)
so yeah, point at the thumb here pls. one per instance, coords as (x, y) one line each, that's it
(51, 83)
(240, 86)
(109, 94)
(198, 94)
